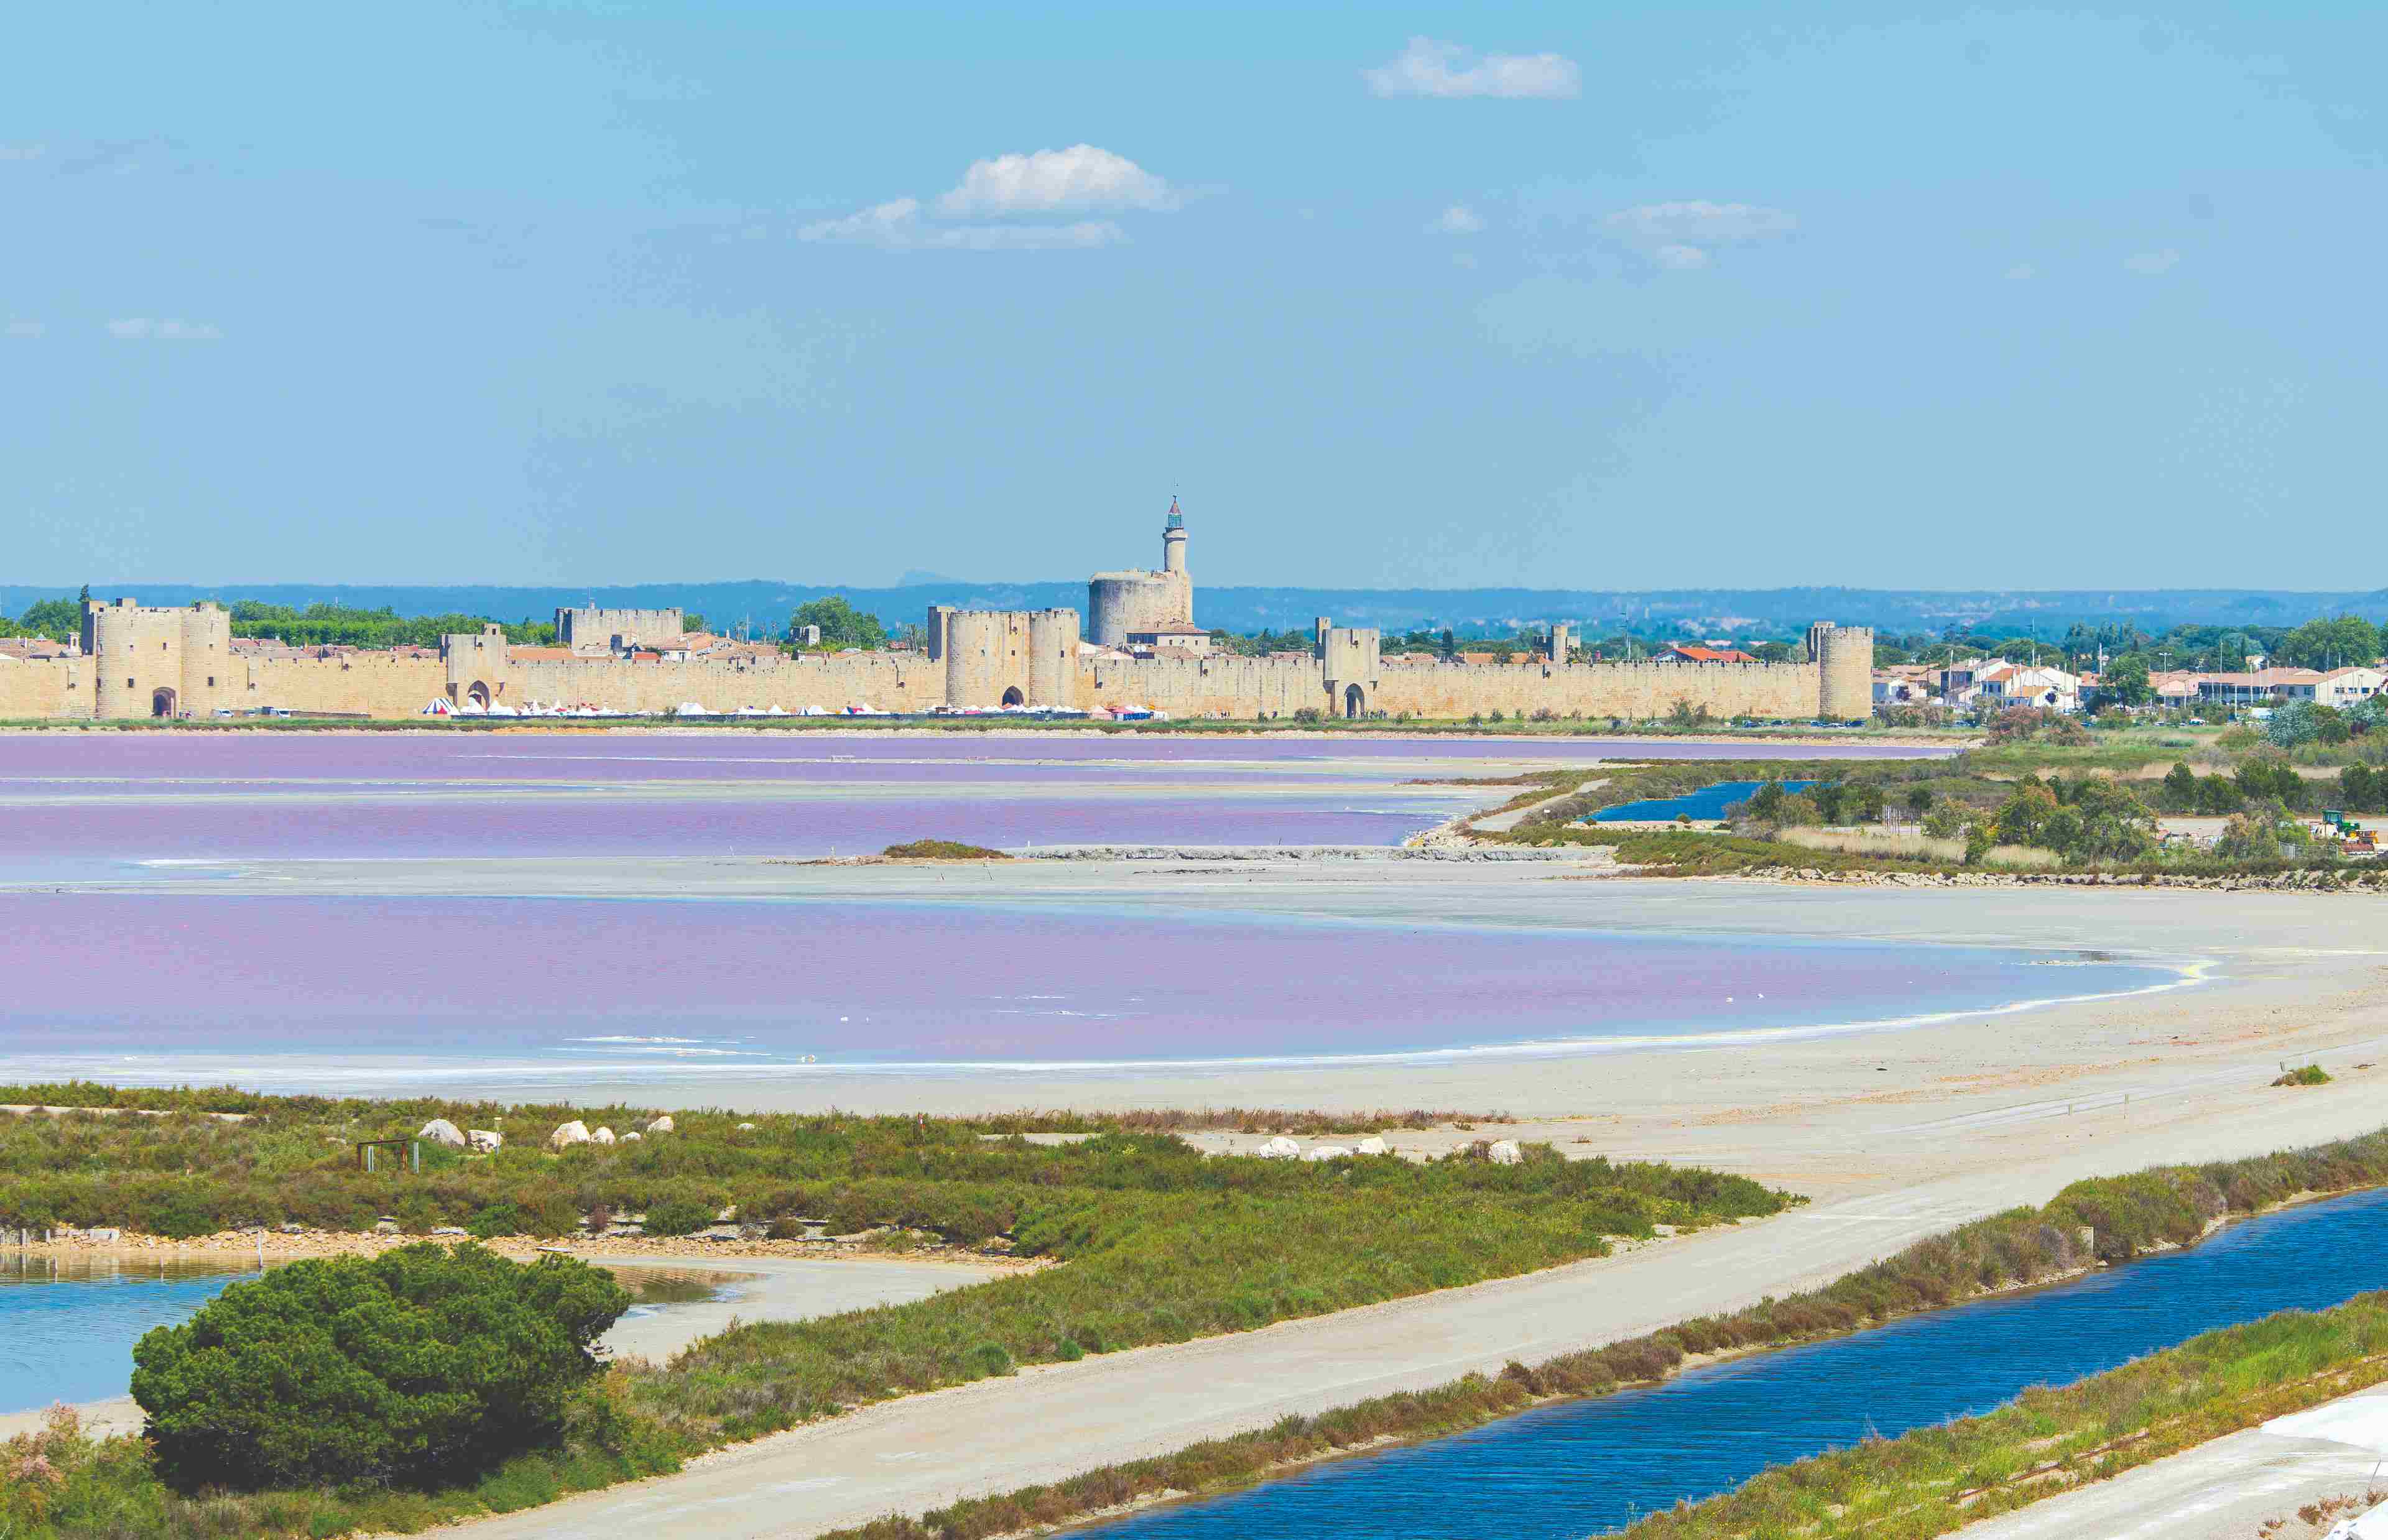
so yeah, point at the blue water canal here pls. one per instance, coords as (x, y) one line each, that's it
(68, 1326)
(1708, 801)
(1586, 1467)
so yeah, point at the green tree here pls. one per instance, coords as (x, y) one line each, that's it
(2180, 789)
(2298, 722)
(418, 1364)
(2332, 643)
(2126, 680)
(59, 619)
(840, 623)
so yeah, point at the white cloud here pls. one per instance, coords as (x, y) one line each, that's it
(1457, 219)
(898, 226)
(141, 329)
(1463, 260)
(1679, 235)
(1699, 221)
(26, 328)
(2022, 272)
(1430, 69)
(1080, 177)
(880, 224)
(22, 152)
(2153, 264)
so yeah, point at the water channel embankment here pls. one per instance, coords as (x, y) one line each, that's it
(1577, 1468)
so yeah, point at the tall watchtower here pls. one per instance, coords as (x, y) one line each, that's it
(1173, 541)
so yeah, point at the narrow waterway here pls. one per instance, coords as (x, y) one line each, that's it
(1587, 1467)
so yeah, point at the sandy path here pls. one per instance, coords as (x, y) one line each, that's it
(776, 1288)
(2219, 1491)
(1050, 1422)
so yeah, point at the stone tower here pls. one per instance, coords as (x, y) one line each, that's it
(1844, 659)
(150, 661)
(1119, 602)
(1173, 545)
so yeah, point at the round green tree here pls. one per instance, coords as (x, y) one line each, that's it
(420, 1365)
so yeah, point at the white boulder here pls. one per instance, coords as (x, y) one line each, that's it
(1327, 1152)
(441, 1131)
(573, 1132)
(1280, 1148)
(602, 1136)
(484, 1141)
(746, 1128)
(1505, 1151)
(661, 1125)
(632, 1134)
(1373, 1144)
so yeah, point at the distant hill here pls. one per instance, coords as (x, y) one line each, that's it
(1718, 611)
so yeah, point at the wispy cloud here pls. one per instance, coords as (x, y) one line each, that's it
(1047, 181)
(2153, 264)
(26, 328)
(118, 155)
(1429, 68)
(898, 226)
(22, 152)
(1679, 235)
(1457, 219)
(1082, 176)
(142, 329)
(2022, 272)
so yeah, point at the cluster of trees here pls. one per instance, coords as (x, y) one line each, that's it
(347, 625)
(841, 626)
(2331, 642)
(2086, 819)
(59, 619)
(2301, 721)
(2022, 723)
(2267, 776)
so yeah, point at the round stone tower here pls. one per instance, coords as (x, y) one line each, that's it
(1053, 657)
(1843, 657)
(1119, 602)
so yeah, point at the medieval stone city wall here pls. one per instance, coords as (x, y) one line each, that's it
(583, 626)
(1595, 691)
(359, 683)
(1240, 688)
(46, 690)
(883, 681)
(388, 686)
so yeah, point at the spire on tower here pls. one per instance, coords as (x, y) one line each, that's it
(1176, 520)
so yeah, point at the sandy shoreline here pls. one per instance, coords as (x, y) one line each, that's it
(2287, 977)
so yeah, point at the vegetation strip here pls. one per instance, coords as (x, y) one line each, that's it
(1987, 810)
(2122, 1217)
(2050, 1440)
(1159, 1244)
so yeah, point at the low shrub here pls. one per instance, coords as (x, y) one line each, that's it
(2311, 1074)
(942, 850)
(420, 1365)
(677, 1216)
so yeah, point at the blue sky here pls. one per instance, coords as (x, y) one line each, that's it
(1391, 295)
